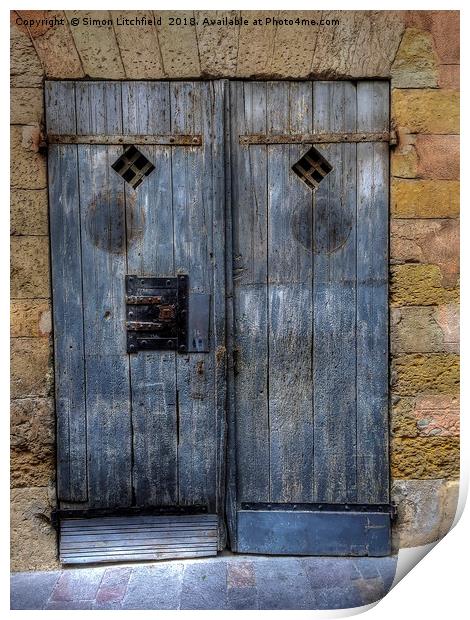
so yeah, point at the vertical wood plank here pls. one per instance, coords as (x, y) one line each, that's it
(149, 213)
(193, 246)
(334, 301)
(249, 200)
(289, 110)
(214, 125)
(103, 240)
(231, 435)
(372, 295)
(67, 298)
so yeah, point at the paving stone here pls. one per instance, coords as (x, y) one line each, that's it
(339, 598)
(69, 605)
(241, 575)
(225, 582)
(387, 568)
(329, 573)
(242, 598)
(113, 585)
(32, 590)
(205, 586)
(154, 587)
(371, 590)
(107, 605)
(77, 585)
(283, 584)
(367, 567)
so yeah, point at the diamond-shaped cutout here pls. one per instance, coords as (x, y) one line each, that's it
(312, 168)
(133, 166)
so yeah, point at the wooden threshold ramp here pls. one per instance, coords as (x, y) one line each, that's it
(136, 538)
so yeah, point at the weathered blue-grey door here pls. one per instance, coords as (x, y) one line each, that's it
(282, 187)
(137, 428)
(309, 472)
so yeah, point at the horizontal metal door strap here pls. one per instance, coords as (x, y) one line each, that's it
(318, 138)
(170, 140)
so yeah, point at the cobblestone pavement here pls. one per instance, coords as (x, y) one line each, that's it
(224, 582)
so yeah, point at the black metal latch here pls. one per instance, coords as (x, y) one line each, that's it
(157, 313)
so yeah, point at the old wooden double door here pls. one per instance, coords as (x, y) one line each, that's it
(268, 406)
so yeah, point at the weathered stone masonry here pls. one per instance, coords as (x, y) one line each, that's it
(419, 52)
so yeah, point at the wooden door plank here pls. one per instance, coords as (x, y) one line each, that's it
(249, 213)
(66, 262)
(192, 221)
(103, 240)
(289, 110)
(334, 301)
(149, 214)
(372, 297)
(213, 124)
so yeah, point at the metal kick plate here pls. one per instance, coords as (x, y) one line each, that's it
(157, 313)
(314, 532)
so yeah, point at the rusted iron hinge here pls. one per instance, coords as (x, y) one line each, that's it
(318, 138)
(165, 140)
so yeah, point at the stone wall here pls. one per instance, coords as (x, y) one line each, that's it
(424, 251)
(419, 52)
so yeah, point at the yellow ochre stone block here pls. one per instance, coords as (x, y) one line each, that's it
(424, 198)
(425, 457)
(419, 285)
(416, 62)
(433, 111)
(431, 373)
